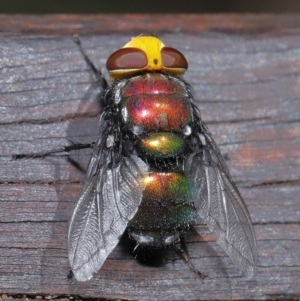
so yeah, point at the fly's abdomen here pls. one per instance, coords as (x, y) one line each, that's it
(166, 204)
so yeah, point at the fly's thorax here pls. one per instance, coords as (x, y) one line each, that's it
(153, 112)
(157, 110)
(155, 102)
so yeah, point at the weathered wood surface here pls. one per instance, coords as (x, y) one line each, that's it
(245, 72)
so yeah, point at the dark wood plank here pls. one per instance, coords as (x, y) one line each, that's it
(245, 72)
(146, 23)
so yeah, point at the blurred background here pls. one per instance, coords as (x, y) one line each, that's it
(153, 6)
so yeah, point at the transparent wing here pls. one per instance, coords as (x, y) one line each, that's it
(219, 203)
(109, 198)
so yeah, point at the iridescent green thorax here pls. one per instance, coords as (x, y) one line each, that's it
(157, 110)
(155, 102)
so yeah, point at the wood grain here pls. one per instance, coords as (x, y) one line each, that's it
(245, 73)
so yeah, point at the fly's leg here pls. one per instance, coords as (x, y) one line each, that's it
(70, 276)
(182, 251)
(98, 74)
(65, 149)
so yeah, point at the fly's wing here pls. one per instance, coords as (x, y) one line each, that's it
(218, 201)
(109, 198)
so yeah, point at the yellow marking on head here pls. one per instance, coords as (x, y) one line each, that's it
(151, 47)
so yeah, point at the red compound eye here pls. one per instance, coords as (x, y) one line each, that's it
(126, 58)
(172, 58)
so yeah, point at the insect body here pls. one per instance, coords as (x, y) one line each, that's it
(154, 167)
(156, 119)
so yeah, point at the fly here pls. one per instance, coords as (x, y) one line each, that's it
(154, 167)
